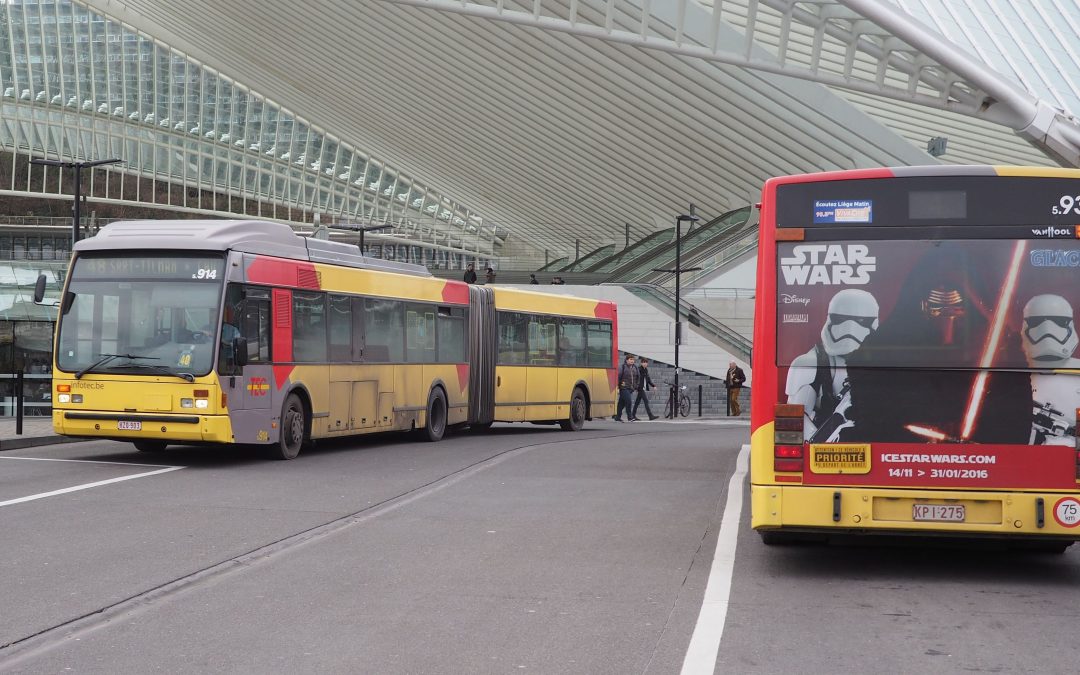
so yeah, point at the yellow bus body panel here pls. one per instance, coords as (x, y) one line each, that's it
(776, 506)
(157, 407)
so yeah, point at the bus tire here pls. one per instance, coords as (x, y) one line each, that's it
(480, 426)
(435, 424)
(150, 446)
(293, 429)
(576, 419)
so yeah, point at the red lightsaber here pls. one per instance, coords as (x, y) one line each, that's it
(978, 388)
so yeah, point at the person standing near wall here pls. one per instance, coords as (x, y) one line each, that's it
(470, 274)
(734, 381)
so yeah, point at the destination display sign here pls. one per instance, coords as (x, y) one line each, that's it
(197, 268)
(914, 201)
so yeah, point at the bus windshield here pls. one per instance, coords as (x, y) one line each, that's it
(144, 315)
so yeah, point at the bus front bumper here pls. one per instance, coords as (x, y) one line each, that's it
(892, 511)
(174, 428)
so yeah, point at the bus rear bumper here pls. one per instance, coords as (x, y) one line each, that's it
(173, 428)
(891, 511)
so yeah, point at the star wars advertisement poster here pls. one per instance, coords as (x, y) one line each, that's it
(932, 342)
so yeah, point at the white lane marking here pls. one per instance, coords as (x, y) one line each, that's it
(87, 486)
(80, 461)
(705, 642)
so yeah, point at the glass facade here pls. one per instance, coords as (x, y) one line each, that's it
(76, 84)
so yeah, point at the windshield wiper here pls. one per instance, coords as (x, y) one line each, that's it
(105, 358)
(187, 377)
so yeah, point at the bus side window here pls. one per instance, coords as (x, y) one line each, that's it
(571, 342)
(341, 328)
(384, 331)
(542, 340)
(309, 327)
(513, 338)
(600, 342)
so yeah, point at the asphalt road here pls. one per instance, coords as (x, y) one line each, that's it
(526, 549)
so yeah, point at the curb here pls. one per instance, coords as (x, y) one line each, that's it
(19, 443)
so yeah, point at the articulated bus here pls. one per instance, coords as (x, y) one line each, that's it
(915, 364)
(244, 332)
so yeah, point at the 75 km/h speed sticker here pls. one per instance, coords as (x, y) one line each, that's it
(1067, 512)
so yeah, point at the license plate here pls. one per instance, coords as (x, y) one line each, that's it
(942, 513)
(129, 426)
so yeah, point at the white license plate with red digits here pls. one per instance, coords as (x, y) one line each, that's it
(938, 513)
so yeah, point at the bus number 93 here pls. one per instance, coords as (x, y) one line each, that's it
(1067, 204)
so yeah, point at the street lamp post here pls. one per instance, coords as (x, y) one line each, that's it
(678, 271)
(77, 168)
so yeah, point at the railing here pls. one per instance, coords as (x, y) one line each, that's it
(720, 293)
(714, 330)
(36, 394)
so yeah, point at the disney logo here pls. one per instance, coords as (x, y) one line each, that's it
(792, 299)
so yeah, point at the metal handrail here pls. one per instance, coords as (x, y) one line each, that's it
(713, 329)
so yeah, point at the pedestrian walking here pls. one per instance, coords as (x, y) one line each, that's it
(734, 381)
(470, 274)
(490, 275)
(629, 376)
(645, 384)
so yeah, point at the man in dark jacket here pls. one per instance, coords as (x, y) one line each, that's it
(644, 386)
(470, 274)
(629, 377)
(734, 381)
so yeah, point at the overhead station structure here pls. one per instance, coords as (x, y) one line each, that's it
(504, 129)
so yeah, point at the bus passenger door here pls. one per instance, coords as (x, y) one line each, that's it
(247, 315)
(257, 375)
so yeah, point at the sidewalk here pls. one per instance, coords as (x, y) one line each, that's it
(35, 431)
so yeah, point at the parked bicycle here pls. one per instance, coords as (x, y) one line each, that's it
(683, 399)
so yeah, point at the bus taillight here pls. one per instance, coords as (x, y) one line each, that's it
(788, 458)
(787, 437)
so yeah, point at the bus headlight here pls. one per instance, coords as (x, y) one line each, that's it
(202, 403)
(187, 403)
(64, 398)
(76, 398)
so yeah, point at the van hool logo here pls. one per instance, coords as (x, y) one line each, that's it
(1050, 232)
(828, 265)
(792, 299)
(1051, 257)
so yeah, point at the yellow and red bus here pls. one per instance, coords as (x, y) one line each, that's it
(245, 332)
(915, 365)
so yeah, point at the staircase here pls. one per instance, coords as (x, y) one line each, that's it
(713, 392)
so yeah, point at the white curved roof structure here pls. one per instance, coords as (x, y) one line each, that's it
(565, 120)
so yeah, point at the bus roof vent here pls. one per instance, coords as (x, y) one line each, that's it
(338, 253)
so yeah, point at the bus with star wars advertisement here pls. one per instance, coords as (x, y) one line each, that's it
(243, 332)
(916, 362)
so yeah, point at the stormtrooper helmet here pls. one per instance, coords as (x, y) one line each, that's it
(1049, 330)
(853, 315)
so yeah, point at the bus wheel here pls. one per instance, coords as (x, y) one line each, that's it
(293, 425)
(149, 446)
(480, 426)
(436, 416)
(576, 419)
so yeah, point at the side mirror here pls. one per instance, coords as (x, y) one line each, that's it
(239, 350)
(39, 289)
